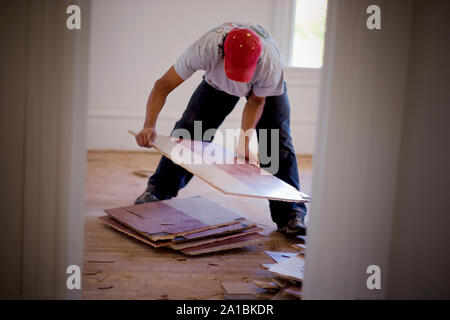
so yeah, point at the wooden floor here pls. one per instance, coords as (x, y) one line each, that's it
(133, 270)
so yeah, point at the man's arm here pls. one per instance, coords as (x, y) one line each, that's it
(252, 113)
(161, 89)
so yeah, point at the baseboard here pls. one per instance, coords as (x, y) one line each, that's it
(107, 130)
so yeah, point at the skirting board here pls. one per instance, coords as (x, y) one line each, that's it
(107, 129)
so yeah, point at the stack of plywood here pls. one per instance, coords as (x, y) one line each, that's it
(191, 225)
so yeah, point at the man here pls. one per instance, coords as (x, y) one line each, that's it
(240, 60)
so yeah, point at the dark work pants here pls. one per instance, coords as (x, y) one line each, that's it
(211, 106)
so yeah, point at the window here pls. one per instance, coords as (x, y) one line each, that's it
(309, 31)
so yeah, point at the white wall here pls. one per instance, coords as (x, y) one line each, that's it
(133, 42)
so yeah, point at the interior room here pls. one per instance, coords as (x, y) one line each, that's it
(367, 128)
(136, 48)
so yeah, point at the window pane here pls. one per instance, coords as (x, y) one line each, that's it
(309, 33)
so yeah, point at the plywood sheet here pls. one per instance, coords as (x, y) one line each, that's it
(217, 239)
(232, 228)
(246, 180)
(158, 220)
(121, 228)
(237, 242)
(295, 291)
(204, 210)
(165, 220)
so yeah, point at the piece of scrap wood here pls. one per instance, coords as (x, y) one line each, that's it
(282, 283)
(91, 273)
(101, 261)
(296, 291)
(143, 173)
(280, 256)
(292, 268)
(281, 296)
(266, 266)
(300, 250)
(267, 294)
(105, 287)
(241, 288)
(227, 174)
(266, 285)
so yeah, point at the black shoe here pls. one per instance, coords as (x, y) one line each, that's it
(145, 197)
(296, 226)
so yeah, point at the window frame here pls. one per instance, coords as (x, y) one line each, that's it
(283, 33)
(284, 27)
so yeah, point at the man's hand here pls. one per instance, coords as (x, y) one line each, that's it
(243, 149)
(146, 137)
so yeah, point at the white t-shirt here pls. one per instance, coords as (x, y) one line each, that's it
(204, 54)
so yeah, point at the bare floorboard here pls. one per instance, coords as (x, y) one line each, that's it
(142, 272)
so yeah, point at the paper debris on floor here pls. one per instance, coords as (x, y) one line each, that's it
(292, 268)
(280, 256)
(287, 274)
